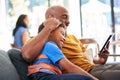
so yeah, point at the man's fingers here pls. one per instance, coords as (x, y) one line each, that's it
(52, 23)
(107, 46)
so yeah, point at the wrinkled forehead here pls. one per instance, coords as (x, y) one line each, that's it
(59, 11)
(62, 12)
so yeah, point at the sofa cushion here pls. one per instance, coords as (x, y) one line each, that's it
(19, 63)
(111, 75)
(107, 71)
(7, 69)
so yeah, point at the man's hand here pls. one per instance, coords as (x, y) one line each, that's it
(103, 56)
(51, 23)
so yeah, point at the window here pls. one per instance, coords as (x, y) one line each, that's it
(35, 9)
(99, 19)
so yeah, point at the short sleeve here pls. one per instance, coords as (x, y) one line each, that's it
(53, 52)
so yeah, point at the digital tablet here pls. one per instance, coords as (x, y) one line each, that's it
(106, 42)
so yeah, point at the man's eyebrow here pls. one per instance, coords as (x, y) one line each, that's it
(65, 15)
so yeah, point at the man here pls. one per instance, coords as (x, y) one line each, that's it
(72, 48)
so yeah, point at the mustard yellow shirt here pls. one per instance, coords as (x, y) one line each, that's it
(73, 50)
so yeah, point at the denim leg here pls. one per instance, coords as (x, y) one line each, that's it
(46, 76)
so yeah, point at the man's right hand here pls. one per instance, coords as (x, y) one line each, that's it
(51, 23)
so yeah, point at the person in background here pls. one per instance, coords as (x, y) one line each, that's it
(48, 64)
(20, 32)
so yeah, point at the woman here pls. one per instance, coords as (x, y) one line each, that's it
(20, 32)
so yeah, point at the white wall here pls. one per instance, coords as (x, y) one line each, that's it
(74, 10)
(4, 34)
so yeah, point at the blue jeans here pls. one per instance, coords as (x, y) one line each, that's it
(46, 76)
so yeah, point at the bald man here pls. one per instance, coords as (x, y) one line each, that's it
(72, 48)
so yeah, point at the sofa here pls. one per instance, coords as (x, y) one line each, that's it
(14, 67)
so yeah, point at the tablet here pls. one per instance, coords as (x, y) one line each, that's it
(106, 42)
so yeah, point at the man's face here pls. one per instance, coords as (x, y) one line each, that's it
(62, 15)
(64, 18)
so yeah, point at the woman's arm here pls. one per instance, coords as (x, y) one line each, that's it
(71, 68)
(31, 49)
(25, 37)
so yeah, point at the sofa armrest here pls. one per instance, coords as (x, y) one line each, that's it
(19, 63)
(7, 69)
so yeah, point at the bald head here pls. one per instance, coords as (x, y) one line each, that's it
(54, 10)
(58, 12)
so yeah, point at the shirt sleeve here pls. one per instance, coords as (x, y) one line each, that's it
(53, 52)
(23, 29)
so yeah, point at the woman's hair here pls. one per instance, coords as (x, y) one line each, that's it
(19, 23)
(42, 26)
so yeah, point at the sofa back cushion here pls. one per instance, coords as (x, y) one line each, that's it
(7, 69)
(19, 63)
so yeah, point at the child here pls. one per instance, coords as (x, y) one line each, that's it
(47, 65)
